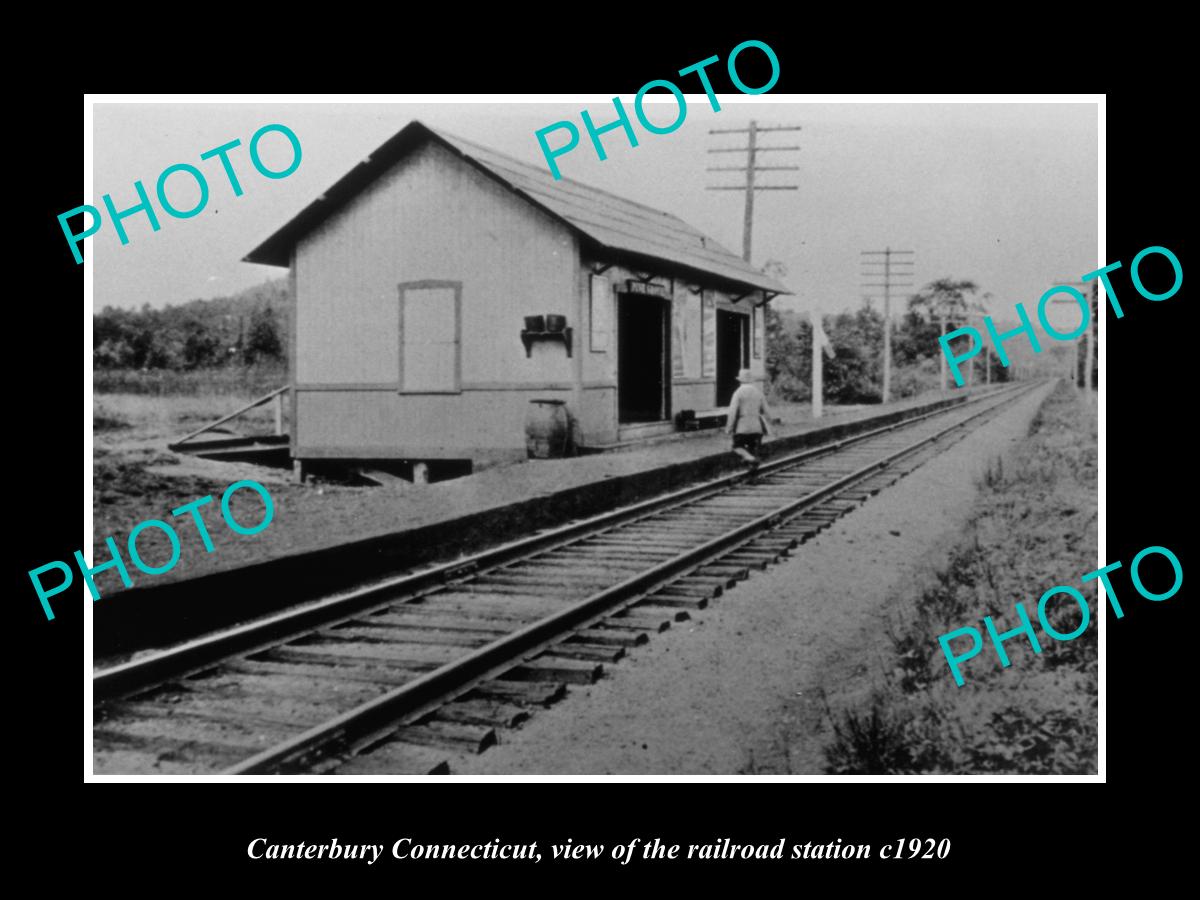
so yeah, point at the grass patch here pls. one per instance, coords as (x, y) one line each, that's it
(1034, 527)
(250, 381)
(171, 415)
(102, 422)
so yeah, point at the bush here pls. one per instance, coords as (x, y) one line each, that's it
(230, 380)
(201, 334)
(869, 744)
(913, 380)
(787, 388)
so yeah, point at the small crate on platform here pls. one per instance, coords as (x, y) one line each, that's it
(695, 420)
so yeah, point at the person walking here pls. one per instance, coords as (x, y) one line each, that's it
(749, 418)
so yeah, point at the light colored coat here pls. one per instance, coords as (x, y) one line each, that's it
(748, 412)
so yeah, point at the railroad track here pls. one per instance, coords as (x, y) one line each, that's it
(440, 660)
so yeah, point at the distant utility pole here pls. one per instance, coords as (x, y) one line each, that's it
(818, 371)
(891, 269)
(945, 317)
(751, 168)
(1092, 332)
(986, 359)
(1083, 289)
(820, 349)
(987, 351)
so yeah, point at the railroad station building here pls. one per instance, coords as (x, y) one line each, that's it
(439, 287)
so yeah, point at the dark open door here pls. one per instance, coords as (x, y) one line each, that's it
(643, 358)
(733, 352)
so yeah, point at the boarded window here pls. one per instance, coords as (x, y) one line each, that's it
(708, 338)
(691, 357)
(600, 318)
(758, 332)
(685, 336)
(429, 336)
(678, 335)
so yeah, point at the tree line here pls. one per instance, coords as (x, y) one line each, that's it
(243, 329)
(247, 329)
(855, 373)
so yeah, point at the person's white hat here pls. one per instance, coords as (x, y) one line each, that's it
(745, 376)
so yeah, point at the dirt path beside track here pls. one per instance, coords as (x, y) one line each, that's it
(738, 689)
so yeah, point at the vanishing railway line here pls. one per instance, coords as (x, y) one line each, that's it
(440, 659)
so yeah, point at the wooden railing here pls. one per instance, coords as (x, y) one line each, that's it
(276, 395)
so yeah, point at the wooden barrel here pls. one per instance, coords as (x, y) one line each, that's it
(546, 429)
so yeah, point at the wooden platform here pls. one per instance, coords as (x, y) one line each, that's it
(267, 449)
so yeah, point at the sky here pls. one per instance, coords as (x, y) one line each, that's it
(1002, 194)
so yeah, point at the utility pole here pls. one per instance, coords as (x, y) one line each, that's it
(751, 169)
(820, 341)
(1093, 330)
(946, 316)
(891, 268)
(987, 350)
(1089, 382)
(978, 316)
(942, 355)
(1091, 323)
(818, 377)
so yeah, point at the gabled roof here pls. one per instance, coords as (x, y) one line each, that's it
(608, 221)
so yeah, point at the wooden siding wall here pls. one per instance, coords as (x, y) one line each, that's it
(598, 406)
(433, 217)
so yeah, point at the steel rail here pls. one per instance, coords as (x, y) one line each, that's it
(202, 653)
(426, 692)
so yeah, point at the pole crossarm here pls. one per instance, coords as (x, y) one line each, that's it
(751, 168)
(746, 149)
(757, 187)
(882, 264)
(756, 128)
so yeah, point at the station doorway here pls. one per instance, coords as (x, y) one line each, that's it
(733, 352)
(643, 355)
